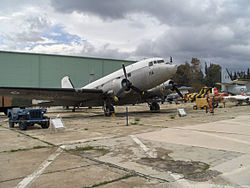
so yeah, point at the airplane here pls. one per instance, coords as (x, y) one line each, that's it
(230, 86)
(237, 98)
(239, 90)
(129, 85)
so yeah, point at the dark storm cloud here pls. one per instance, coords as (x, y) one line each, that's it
(216, 30)
(211, 30)
(176, 12)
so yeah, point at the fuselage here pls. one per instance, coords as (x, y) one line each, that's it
(145, 74)
(234, 89)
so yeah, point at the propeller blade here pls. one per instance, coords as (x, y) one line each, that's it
(119, 93)
(124, 71)
(137, 90)
(178, 91)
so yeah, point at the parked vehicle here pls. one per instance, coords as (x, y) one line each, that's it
(28, 117)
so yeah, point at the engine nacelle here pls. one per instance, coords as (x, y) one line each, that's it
(116, 85)
(163, 89)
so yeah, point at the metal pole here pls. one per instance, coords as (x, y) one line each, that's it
(127, 116)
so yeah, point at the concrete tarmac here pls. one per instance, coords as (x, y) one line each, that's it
(231, 135)
(155, 150)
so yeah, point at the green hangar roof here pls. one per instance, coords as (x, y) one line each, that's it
(46, 70)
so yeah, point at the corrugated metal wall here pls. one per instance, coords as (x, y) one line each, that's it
(42, 70)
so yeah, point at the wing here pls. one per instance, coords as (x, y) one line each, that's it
(57, 96)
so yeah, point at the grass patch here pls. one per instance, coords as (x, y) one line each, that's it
(16, 150)
(83, 148)
(207, 166)
(172, 116)
(135, 122)
(111, 181)
(87, 148)
(27, 149)
(39, 147)
(137, 119)
(86, 129)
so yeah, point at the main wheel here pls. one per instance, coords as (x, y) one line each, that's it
(109, 110)
(45, 125)
(154, 106)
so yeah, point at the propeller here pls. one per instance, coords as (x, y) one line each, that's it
(174, 88)
(126, 85)
(177, 91)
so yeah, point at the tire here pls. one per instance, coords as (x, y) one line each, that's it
(154, 106)
(22, 125)
(109, 110)
(195, 107)
(45, 125)
(11, 123)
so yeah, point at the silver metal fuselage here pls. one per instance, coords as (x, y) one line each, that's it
(145, 75)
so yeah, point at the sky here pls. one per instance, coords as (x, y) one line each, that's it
(214, 31)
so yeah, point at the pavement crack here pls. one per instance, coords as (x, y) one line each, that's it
(127, 170)
(51, 172)
(35, 138)
(112, 181)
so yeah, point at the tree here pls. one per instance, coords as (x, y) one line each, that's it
(213, 75)
(197, 80)
(234, 76)
(205, 68)
(183, 75)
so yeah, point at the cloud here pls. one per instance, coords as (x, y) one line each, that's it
(214, 31)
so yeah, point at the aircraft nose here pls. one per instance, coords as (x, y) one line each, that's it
(173, 68)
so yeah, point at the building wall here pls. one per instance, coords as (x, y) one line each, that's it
(42, 70)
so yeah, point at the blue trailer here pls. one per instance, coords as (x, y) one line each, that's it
(28, 117)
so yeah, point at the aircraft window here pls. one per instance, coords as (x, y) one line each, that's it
(129, 74)
(160, 61)
(150, 63)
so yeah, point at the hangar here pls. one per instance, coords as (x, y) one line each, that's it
(46, 70)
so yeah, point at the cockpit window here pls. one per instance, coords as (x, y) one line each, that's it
(150, 63)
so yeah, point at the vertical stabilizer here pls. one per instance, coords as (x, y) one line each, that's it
(66, 82)
(225, 77)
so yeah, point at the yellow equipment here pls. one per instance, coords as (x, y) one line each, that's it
(202, 94)
(201, 103)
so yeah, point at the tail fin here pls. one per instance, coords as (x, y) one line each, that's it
(66, 82)
(225, 76)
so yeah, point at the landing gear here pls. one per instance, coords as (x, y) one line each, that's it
(109, 110)
(154, 106)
